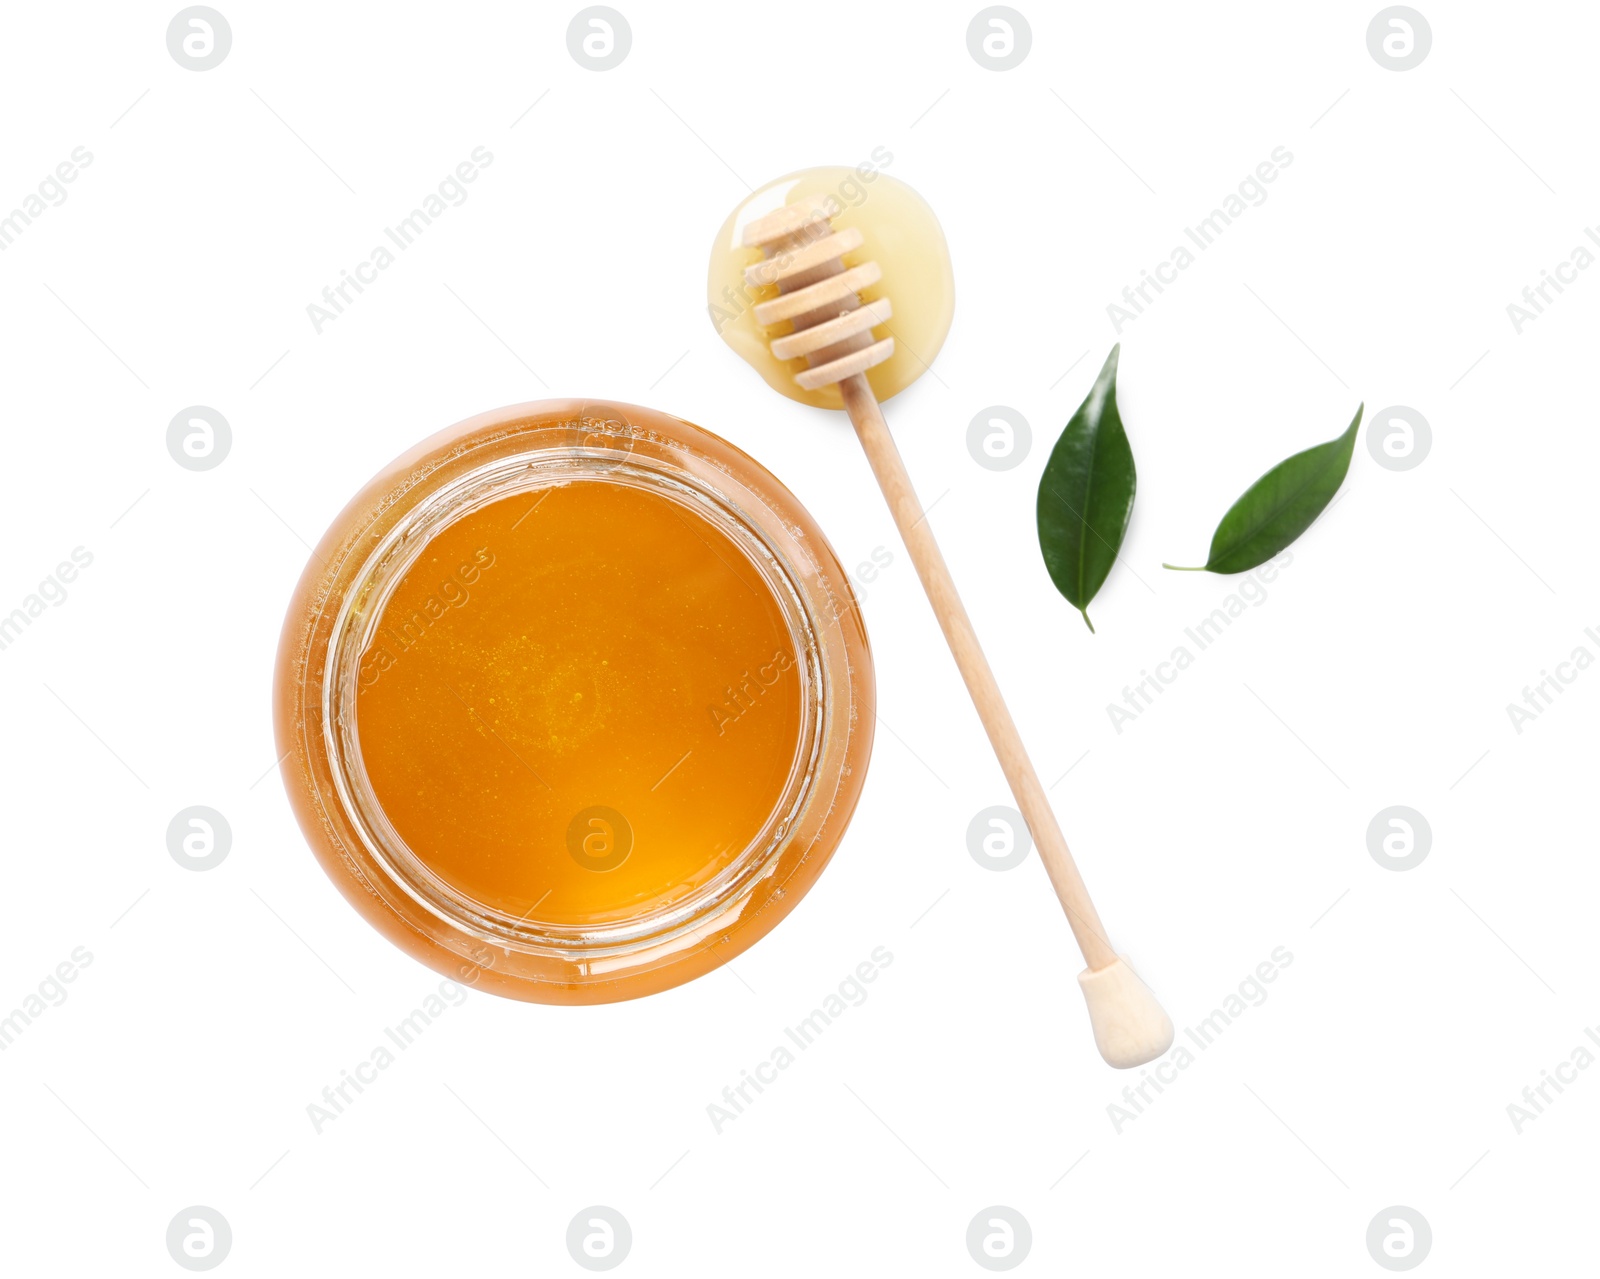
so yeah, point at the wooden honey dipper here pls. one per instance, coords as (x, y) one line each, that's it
(832, 329)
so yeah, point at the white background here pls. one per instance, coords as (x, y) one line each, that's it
(1228, 820)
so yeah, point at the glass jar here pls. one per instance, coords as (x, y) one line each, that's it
(327, 653)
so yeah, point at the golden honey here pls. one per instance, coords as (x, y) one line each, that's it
(899, 232)
(580, 703)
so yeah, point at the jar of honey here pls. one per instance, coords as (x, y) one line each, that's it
(574, 701)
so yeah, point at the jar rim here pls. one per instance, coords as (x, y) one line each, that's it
(392, 518)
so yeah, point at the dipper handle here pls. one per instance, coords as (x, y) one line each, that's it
(832, 330)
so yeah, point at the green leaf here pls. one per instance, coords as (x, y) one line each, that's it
(1086, 494)
(1280, 506)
